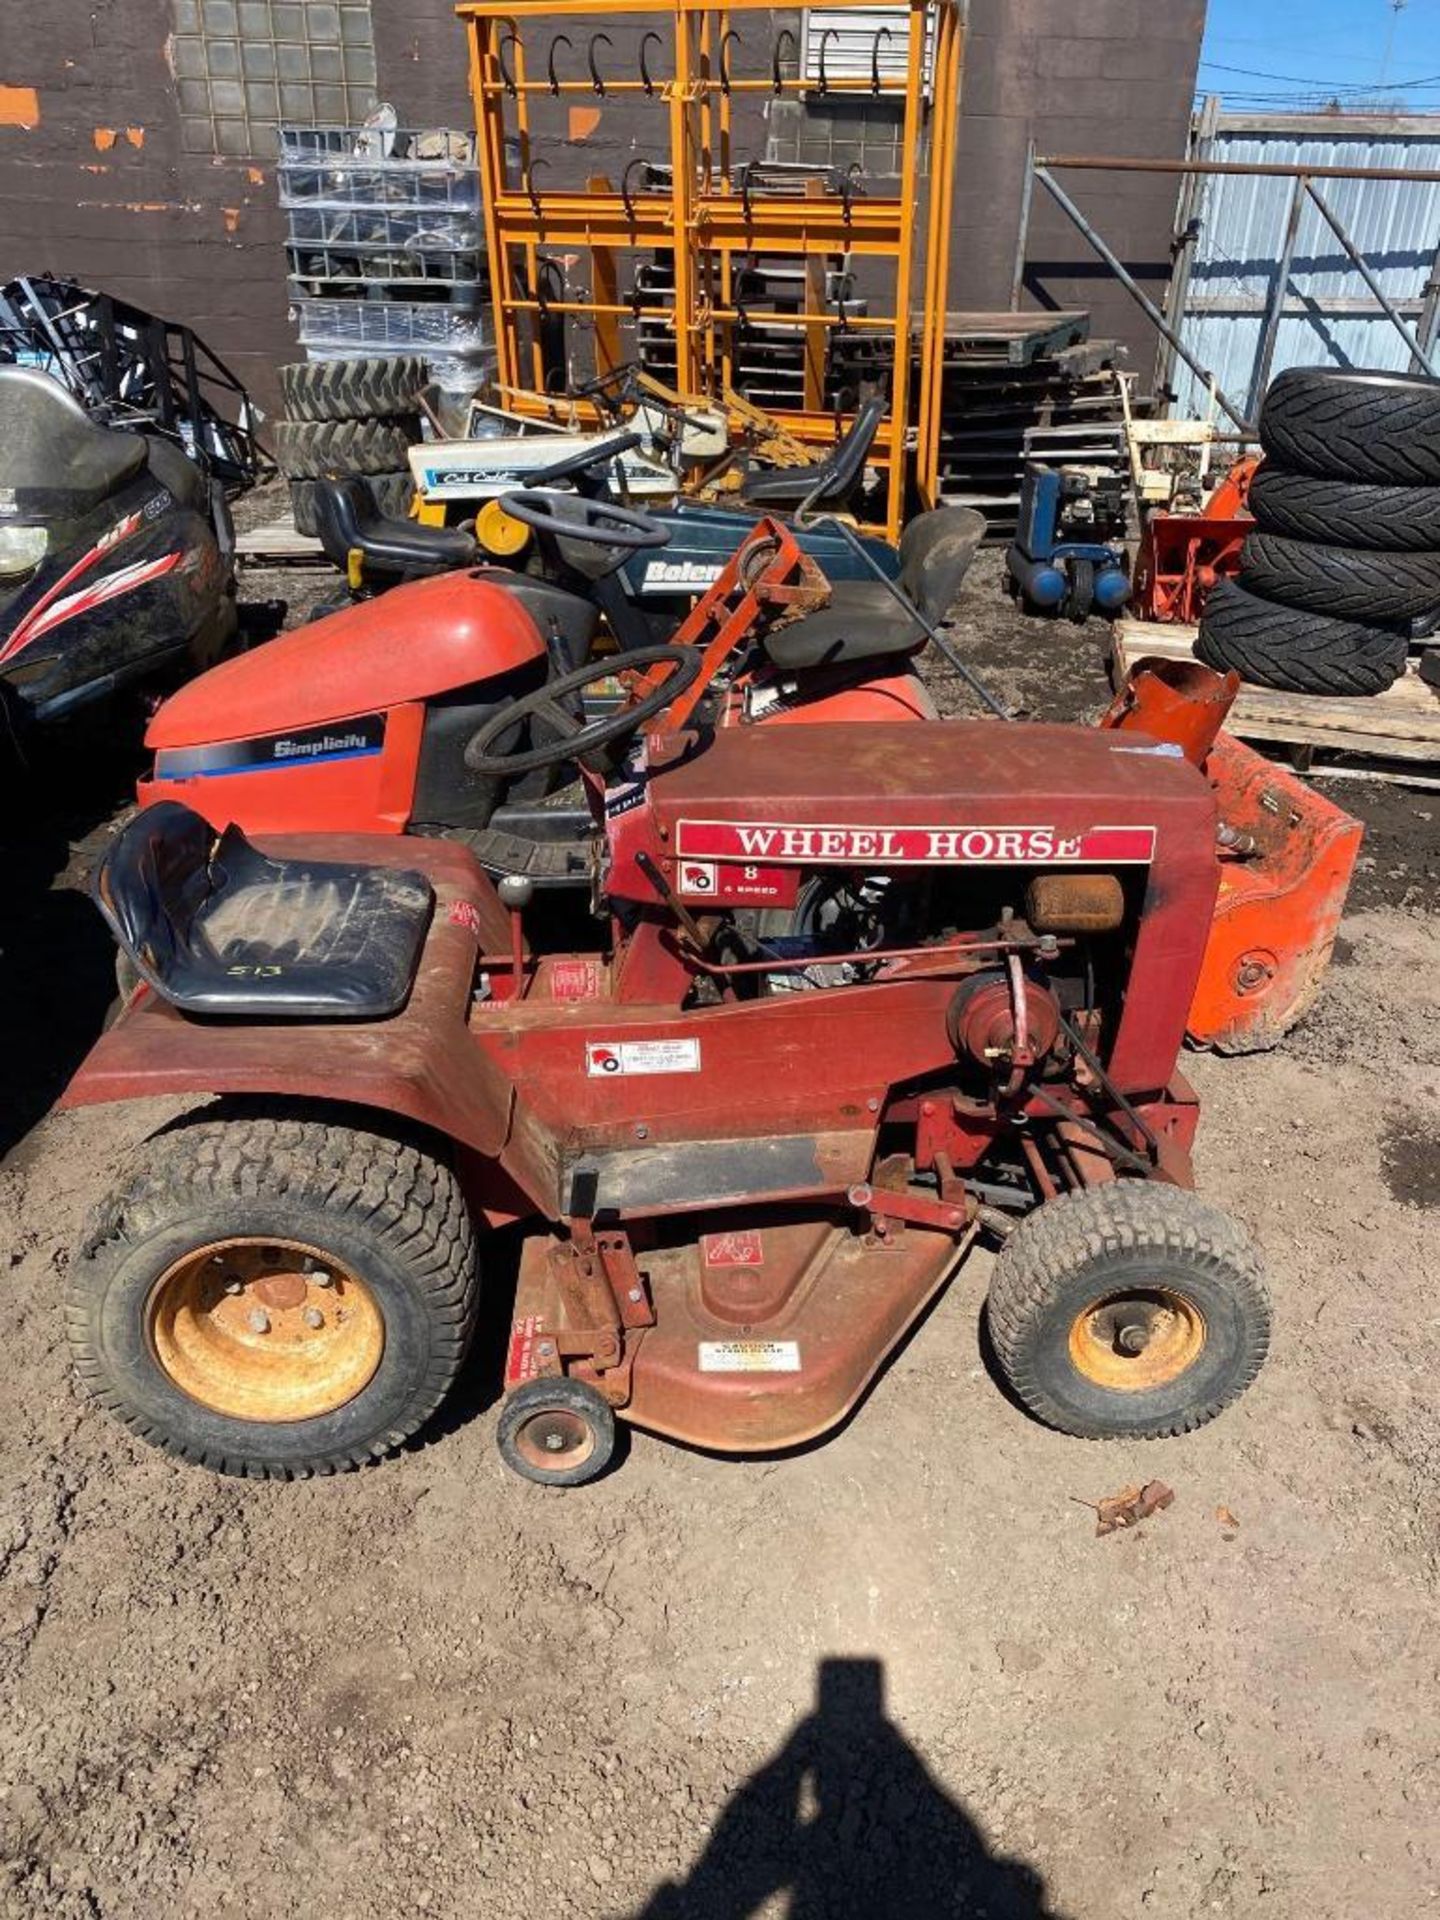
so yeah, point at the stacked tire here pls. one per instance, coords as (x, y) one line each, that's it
(1345, 557)
(347, 417)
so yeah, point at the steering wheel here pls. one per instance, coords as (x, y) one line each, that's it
(575, 738)
(598, 455)
(609, 389)
(571, 516)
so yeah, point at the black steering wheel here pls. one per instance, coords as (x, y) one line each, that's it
(609, 389)
(598, 455)
(572, 516)
(577, 737)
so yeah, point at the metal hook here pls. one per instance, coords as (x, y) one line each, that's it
(882, 33)
(560, 40)
(725, 39)
(646, 80)
(745, 190)
(506, 39)
(777, 84)
(530, 184)
(625, 188)
(847, 186)
(596, 78)
(830, 33)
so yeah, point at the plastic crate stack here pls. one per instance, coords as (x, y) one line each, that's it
(385, 247)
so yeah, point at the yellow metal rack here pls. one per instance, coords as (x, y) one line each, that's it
(712, 215)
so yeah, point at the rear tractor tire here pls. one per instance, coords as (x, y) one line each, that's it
(275, 1296)
(1128, 1311)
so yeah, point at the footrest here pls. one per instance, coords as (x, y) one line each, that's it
(549, 863)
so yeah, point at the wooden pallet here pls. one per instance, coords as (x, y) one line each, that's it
(1402, 724)
(278, 545)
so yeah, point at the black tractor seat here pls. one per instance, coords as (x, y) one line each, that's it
(217, 927)
(829, 483)
(864, 620)
(349, 520)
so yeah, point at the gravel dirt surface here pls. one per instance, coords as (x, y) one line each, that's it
(897, 1674)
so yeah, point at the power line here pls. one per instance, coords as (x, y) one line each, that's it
(1324, 86)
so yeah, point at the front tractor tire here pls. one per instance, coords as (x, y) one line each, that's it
(1132, 1310)
(275, 1295)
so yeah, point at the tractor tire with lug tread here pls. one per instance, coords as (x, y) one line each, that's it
(1341, 425)
(372, 389)
(311, 449)
(557, 1432)
(393, 493)
(1295, 651)
(1132, 1310)
(275, 1294)
(1346, 583)
(1343, 513)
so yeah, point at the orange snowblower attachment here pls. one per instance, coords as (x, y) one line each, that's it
(1286, 857)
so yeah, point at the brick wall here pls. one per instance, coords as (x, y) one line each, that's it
(94, 183)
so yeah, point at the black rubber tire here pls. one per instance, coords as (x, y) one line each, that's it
(573, 1398)
(1128, 1235)
(1294, 651)
(313, 449)
(394, 493)
(1080, 597)
(388, 1208)
(1341, 513)
(1354, 426)
(1346, 583)
(374, 389)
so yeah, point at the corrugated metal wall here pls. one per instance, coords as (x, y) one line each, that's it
(1330, 317)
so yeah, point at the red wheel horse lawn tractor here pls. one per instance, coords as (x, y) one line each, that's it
(743, 1161)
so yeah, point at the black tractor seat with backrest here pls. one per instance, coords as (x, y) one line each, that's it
(217, 927)
(830, 483)
(349, 520)
(864, 620)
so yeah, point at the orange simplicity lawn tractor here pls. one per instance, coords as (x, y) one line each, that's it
(857, 992)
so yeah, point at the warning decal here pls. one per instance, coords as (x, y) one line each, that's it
(608, 1059)
(744, 1248)
(749, 1356)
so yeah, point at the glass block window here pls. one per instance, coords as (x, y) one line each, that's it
(243, 66)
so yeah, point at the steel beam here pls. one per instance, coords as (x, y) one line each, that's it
(1132, 286)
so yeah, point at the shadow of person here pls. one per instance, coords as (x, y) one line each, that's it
(847, 1820)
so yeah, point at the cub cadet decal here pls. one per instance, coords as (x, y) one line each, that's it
(913, 846)
(306, 747)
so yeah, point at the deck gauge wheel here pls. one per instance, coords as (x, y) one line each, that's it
(558, 1432)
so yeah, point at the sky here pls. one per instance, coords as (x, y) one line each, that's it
(1285, 54)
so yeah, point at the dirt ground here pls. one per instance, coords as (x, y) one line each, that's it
(894, 1675)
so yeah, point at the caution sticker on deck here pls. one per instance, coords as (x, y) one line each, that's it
(749, 1356)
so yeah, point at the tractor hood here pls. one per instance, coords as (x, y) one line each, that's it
(738, 819)
(411, 644)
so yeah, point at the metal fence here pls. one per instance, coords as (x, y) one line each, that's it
(1251, 232)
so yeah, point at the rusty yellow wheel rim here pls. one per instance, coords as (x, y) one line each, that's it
(1135, 1341)
(265, 1330)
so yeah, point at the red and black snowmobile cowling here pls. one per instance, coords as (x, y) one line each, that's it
(115, 555)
